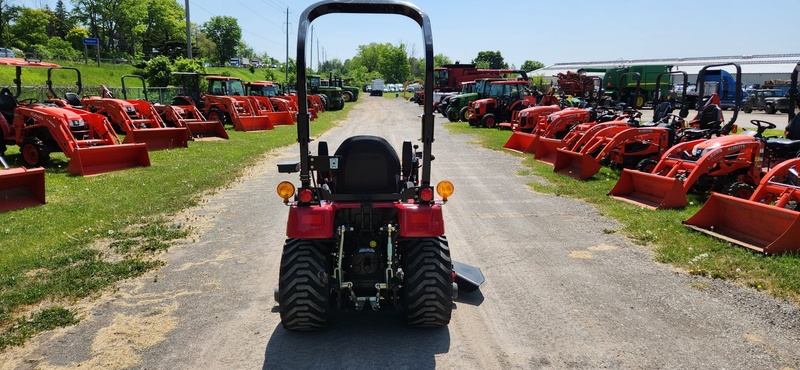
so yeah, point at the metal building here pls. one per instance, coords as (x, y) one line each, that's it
(756, 69)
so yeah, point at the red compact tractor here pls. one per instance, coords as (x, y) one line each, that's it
(365, 231)
(505, 99)
(280, 109)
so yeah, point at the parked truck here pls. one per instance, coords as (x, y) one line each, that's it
(376, 87)
(768, 100)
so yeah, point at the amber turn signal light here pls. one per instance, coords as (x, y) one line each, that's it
(285, 190)
(445, 189)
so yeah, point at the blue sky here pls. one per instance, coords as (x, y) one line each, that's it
(547, 31)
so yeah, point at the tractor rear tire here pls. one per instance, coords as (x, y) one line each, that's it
(646, 165)
(740, 190)
(489, 120)
(452, 115)
(304, 298)
(34, 152)
(463, 114)
(347, 96)
(428, 282)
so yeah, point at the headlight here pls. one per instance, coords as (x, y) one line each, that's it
(130, 109)
(76, 123)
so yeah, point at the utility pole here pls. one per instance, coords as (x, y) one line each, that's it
(286, 82)
(311, 54)
(317, 53)
(188, 33)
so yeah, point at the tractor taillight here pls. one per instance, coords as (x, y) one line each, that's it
(445, 189)
(426, 194)
(285, 190)
(305, 195)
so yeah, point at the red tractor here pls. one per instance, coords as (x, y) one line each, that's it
(365, 231)
(579, 84)
(87, 139)
(505, 99)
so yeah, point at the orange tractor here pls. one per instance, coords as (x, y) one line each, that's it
(280, 109)
(87, 139)
(768, 221)
(621, 144)
(179, 116)
(137, 119)
(225, 101)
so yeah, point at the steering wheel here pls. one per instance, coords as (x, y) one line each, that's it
(765, 124)
(28, 101)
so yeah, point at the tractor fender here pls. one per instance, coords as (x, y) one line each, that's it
(419, 220)
(314, 222)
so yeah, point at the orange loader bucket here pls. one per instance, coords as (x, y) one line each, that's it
(100, 159)
(160, 138)
(256, 123)
(649, 190)
(203, 129)
(545, 149)
(281, 118)
(519, 141)
(577, 165)
(21, 188)
(758, 226)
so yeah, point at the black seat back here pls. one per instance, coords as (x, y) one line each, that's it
(710, 117)
(73, 100)
(793, 128)
(661, 111)
(7, 104)
(369, 165)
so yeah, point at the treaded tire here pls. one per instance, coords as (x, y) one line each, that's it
(303, 298)
(463, 114)
(427, 286)
(34, 152)
(452, 115)
(740, 190)
(646, 165)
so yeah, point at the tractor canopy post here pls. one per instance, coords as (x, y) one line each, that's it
(360, 7)
(701, 78)
(78, 82)
(125, 90)
(685, 85)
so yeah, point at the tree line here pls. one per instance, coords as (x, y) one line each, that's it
(155, 31)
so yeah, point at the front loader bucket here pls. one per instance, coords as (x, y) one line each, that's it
(257, 123)
(519, 141)
(159, 138)
(545, 149)
(281, 118)
(649, 190)
(577, 165)
(202, 129)
(758, 226)
(21, 188)
(99, 159)
(469, 278)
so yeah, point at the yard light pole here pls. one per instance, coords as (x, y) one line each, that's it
(188, 33)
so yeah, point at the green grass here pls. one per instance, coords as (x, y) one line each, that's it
(97, 230)
(662, 230)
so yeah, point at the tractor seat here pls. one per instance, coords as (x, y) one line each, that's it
(369, 165)
(7, 104)
(784, 144)
(661, 111)
(181, 100)
(73, 100)
(709, 118)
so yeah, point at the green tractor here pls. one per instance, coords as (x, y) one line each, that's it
(349, 93)
(332, 96)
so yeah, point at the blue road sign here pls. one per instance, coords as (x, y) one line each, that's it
(91, 41)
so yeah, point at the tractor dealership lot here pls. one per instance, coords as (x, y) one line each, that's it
(562, 288)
